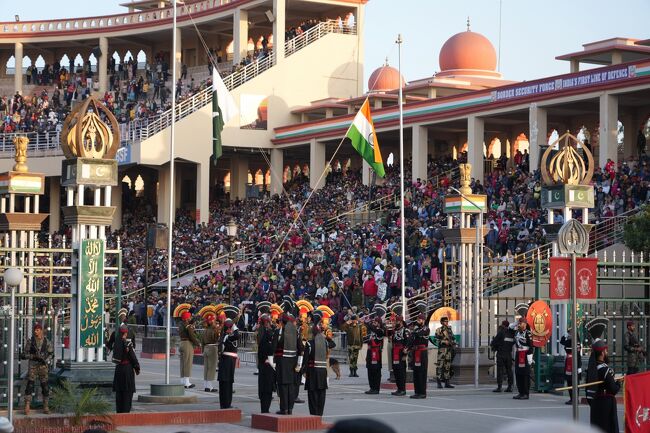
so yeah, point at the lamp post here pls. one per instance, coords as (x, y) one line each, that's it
(12, 277)
(477, 283)
(231, 230)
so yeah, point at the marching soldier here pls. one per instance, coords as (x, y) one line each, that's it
(266, 345)
(39, 354)
(189, 341)
(635, 352)
(354, 330)
(568, 363)
(502, 344)
(125, 370)
(602, 397)
(445, 337)
(400, 339)
(227, 362)
(210, 343)
(286, 361)
(315, 357)
(375, 341)
(420, 359)
(523, 359)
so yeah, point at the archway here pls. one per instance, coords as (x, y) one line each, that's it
(116, 57)
(296, 170)
(11, 65)
(249, 178)
(259, 177)
(521, 144)
(494, 149)
(305, 170)
(128, 57)
(142, 59)
(40, 62)
(226, 182)
(553, 139)
(78, 61)
(139, 186)
(65, 62)
(127, 180)
(250, 47)
(267, 179)
(286, 174)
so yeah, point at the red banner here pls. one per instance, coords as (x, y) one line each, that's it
(586, 278)
(637, 403)
(540, 320)
(560, 280)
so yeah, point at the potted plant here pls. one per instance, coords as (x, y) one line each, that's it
(68, 398)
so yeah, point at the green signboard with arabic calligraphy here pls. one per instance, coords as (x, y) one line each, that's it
(91, 292)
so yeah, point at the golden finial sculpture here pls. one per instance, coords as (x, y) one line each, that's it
(86, 135)
(465, 178)
(20, 143)
(567, 166)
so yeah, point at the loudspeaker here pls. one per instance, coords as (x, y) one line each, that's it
(269, 16)
(97, 52)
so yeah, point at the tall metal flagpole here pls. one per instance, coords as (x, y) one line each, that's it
(401, 176)
(170, 223)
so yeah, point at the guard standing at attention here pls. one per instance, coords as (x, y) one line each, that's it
(210, 343)
(602, 397)
(635, 353)
(502, 344)
(523, 359)
(39, 353)
(568, 363)
(445, 338)
(127, 366)
(400, 337)
(227, 362)
(266, 345)
(189, 340)
(420, 358)
(315, 357)
(286, 361)
(375, 341)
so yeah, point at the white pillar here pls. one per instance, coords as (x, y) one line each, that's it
(631, 130)
(178, 56)
(240, 35)
(366, 172)
(617, 58)
(55, 204)
(163, 194)
(316, 164)
(18, 73)
(277, 171)
(238, 177)
(279, 27)
(608, 146)
(419, 152)
(360, 55)
(116, 200)
(202, 192)
(574, 66)
(537, 130)
(102, 65)
(475, 134)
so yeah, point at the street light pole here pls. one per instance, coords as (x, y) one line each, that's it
(12, 279)
(477, 285)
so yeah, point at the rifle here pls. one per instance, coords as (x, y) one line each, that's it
(585, 385)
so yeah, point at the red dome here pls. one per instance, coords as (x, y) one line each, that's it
(384, 78)
(468, 50)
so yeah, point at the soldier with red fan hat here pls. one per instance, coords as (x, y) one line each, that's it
(228, 359)
(209, 341)
(189, 340)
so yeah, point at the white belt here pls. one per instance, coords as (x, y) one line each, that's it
(320, 364)
(508, 339)
(522, 348)
(234, 355)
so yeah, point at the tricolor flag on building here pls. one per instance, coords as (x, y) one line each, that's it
(363, 137)
(224, 108)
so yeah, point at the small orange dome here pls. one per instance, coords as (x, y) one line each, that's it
(384, 78)
(468, 50)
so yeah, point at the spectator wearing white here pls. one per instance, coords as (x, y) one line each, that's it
(350, 21)
(322, 292)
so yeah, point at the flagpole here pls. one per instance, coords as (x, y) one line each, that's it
(170, 223)
(401, 176)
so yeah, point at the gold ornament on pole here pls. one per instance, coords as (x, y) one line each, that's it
(20, 144)
(465, 178)
(86, 135)
(567, 166)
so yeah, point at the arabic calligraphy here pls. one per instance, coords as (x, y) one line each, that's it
(91, 271)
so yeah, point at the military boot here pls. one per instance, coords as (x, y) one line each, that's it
(439, 383)
(46, 406)
(448, 385)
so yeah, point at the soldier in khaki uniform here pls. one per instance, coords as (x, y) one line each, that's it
(354, 330)
(210, 342)
(189, 341)
(445, 339)
(39, 353)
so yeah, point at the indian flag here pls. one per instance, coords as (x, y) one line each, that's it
(363, 137)
(224, 108)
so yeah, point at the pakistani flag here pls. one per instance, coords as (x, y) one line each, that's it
(363, 137)
(223, 109)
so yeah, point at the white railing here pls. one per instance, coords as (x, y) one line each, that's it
(315, 33)
(41, 142)
(103, 23)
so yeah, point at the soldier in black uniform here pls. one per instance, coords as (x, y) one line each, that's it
(375, 341)
(568, 363)
(227, 362)
(127, 366)
(121, 315)
(286, 361)
(420, 358)
(523, 359)
(266, 345)
(602, 397)
(502, 344)
(315, 358)
(400, 338)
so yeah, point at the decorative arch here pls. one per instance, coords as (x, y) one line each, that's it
(521, 144)
(78, 60)
(305, 169)
(142, 59)
(250, 46)
(11, 63)
(286, 174)
(40, 62)
(139, 184)
(494, 148)
(126, 179)
(259, 177)
(128, 56)
(249, 178)
(230, 48)
(296, 170)
(65, 61)
(226, 182)
(27, 62)
(117, 57)
(267, 178)
(92, 59)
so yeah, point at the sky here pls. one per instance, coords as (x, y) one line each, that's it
(533, 33)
